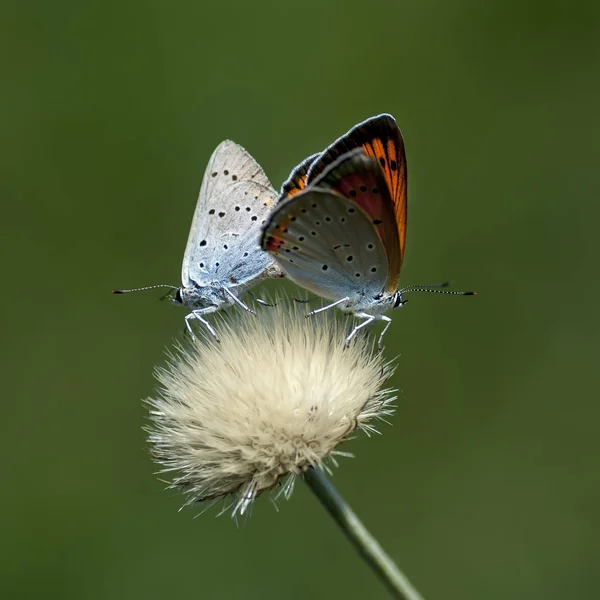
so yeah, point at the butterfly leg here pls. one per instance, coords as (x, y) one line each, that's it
(318, 310)
(236, 300)
(197, 314)
(259, 300)
(304, 300)
(367, 319)
(387, 325)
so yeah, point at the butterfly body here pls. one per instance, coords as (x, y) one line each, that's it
(339, 228)
(210, 297)
(221, 292)
(223, 258)
(376, 305)
(338, 237)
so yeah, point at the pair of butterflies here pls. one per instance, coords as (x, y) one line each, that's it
(338, 227)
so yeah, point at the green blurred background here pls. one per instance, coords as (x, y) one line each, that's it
(487, 484)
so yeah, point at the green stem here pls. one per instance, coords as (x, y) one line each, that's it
(363, 541)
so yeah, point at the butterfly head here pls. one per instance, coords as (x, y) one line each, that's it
(378, 304)
(187, 296)
(196, 296)
(177, 297)
(398, 301)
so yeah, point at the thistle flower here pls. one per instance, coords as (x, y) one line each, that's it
(277, 395)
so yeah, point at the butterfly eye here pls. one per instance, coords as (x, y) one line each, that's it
(178, 297)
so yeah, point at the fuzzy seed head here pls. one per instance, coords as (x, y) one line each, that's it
(276, 396)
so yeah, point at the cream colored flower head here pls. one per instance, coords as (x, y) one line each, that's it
(276, 396)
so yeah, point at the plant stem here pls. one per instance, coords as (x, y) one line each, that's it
(363, 541)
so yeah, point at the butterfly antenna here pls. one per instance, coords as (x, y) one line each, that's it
(427, 285)
(143, 289)
(418, 288)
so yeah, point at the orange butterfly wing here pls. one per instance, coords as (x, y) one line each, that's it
(360, 179)
(392, 159)
(380, 138)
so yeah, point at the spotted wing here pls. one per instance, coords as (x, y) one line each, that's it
(229, 167)
(380, 138)
(327, 244)
(360, 179)
(227, 251)
(296, 182)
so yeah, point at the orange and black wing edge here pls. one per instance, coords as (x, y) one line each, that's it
(296, 182)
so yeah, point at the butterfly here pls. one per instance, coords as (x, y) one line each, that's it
(223, 257)
(339, 229)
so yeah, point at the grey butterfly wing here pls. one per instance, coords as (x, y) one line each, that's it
(226, 250)
(228, 166)
(327, 244)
